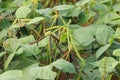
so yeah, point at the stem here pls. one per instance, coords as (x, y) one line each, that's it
(59, 72)
(62, 20)
(50, 49)
(53, 27)
(119, 60)
(14, 21)
(56, 42)
(68, 39)
(35, 32)
(78, 55)
(37, 59)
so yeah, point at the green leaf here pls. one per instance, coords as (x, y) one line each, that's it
(8, 60)
(107, 64)
(117, 34)
(63, 37)
(82, 2)
(29, 50)
(83, 17)
(64, 65)
(70, 12)
(115, 19)
(83, 36)
(2, 53)
(46, 11)
(18, 2)
(92, 74)
(11, 44)
(19, 51)
(4, 24)
(93, 28)
(14, 26)
(8, 7)
(102, 1)
(43, 42)
(3, 33)
(11, 75)
(35, 20)
(74, 27)
(116, 7)
(100, 8)
(27, 39)
(103, 35)
(22, 12)
(34, 71)
(116, 52)
(63, 7)
(109, 18)
(101, 50)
